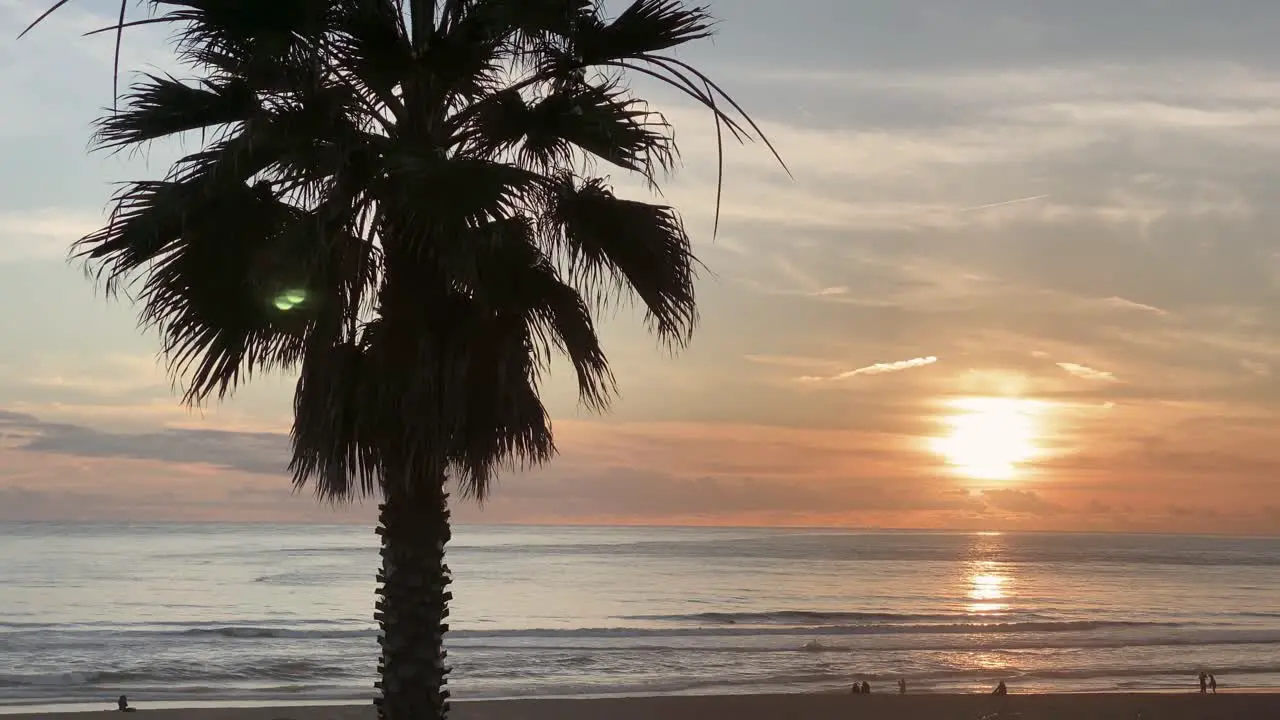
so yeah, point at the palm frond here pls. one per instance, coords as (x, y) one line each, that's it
(505, 425)
(464, 63)
(644, 28)
(213, 263)
(538, 24)
(334, 438)
(712, 90)
(600, 119)
(371, 47)
(426, 191)
(305, 145)
(44, 15)
(148, 217)
(496, 419)
(613, 245)
(164, 106)
(511, 277)
(256, 28)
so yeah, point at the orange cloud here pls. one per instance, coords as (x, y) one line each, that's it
(687, 473)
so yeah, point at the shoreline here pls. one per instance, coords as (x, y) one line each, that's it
(1262, 703)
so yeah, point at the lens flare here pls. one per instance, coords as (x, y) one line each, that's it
(289, 299)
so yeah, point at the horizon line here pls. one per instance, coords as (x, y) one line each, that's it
(851, 530)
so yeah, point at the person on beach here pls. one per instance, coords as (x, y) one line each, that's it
(856, 689)
(1204, 682)
(902, 686)
(1001, 689)
(866, 688)
(123, 704)
(1213, 684)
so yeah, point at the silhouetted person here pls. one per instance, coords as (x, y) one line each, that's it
(1204, 682)
(856, 689)
(123, 704)
(902, 686)
(866, 688)
(1213, 684)
(1001, 689)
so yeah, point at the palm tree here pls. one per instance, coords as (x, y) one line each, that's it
(399, 201)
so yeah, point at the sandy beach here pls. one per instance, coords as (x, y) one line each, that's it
(1243, 706)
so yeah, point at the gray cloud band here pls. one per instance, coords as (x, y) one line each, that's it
(265, 453)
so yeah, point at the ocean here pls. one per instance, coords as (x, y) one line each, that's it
(190, 614)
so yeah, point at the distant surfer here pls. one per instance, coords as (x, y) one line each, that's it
(1001, 689)
(902, 686)
(123, 704)
(866, 688)
(1204, 682)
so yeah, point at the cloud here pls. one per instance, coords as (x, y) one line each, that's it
(1020, 501)
(832, 291)
(42, 234)
(876, 369)
(1087, 373)
(1254, 367)
(1003, 203)
(115, 374)
(1125, 304)
(264, 453)
(67, 471)
(700, 473)
(801, 283)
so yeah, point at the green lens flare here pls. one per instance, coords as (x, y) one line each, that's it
(290, 299)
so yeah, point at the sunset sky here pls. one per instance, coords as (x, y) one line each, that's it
(1027, 277)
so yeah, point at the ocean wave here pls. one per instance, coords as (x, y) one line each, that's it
(940, 675)
(808, 617)
(869, 629)
(1031, 549)
(718, 638)
(242, 632)
(188, 678)
(91, 626)
(170, 673)
(318, 630)
(334, 630)
(819, 646)
(795, 642)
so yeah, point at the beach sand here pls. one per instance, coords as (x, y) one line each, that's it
(1227, 706)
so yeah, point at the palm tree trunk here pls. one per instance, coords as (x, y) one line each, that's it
(413, 601)
(422, 21)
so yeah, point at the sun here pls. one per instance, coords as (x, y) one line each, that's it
(988, 438)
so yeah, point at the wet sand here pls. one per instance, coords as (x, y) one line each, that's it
(886, 706)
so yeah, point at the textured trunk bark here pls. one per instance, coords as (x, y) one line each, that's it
(413, 602)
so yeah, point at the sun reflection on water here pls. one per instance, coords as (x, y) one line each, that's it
(988, 581)
(987, 589)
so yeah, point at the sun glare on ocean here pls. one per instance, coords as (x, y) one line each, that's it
(988, 438)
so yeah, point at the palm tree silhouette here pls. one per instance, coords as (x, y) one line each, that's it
(398, 200)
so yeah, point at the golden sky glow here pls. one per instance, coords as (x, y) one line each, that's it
(1012, 286)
